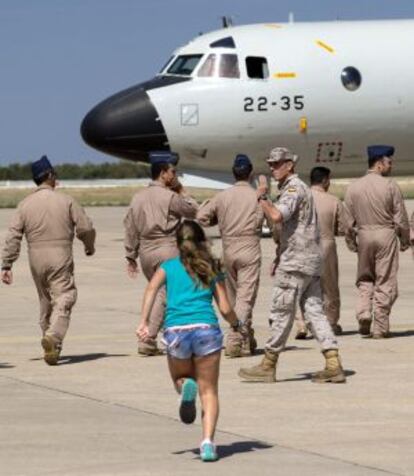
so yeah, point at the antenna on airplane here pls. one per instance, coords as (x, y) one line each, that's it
(226, 21)
(291, 17)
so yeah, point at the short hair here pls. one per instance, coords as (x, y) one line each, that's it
(42, 178)
(157, 168)
(319, 174)
(242, 173)
(373, 160)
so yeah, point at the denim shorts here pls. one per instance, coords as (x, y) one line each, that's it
(199, 341)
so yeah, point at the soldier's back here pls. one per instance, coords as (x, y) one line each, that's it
(238, 211)
(151, 212)
(327, 207)
(370, 200)
(47, 216)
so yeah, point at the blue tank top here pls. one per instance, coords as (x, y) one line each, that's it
(188, 301)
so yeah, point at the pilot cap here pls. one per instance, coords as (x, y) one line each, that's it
(379, 151)
(41, 167)
(242, 161)
(281, 154)
(163, 157)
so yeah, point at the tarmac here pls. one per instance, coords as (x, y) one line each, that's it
(105, 411)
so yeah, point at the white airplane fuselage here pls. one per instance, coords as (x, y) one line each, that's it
(300, 102)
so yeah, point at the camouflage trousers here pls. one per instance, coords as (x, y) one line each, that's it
(290, 289)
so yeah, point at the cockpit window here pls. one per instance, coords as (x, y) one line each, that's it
(257, 67)
(229, 66)
(184, 65)
(166, 64)
(209, 66)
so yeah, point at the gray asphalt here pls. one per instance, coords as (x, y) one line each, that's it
(106, 411)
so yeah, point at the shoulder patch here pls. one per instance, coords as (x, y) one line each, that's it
(292, 189)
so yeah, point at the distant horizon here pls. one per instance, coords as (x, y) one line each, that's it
(59, 59)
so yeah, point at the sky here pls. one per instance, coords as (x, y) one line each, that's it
(59, 58)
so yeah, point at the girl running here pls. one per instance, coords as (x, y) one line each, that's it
(191, 330)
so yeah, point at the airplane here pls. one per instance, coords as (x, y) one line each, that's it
(325, 90)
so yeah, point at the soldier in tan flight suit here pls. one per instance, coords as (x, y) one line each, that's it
(150, 225)
(331, 223)
(376, 219)
(48, 219)
(297, 276)
(240, 218)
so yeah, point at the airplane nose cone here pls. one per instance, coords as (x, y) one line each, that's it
(125, 125)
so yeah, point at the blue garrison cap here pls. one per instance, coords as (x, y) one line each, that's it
(163, 157)
(41, 167)
(379, 151)
(242, 160)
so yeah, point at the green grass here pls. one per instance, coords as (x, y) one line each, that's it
(121, 196)
(94, 197)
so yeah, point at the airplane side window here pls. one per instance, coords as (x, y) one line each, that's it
(209, 66)
(229, 66)
(184, 65)
(257, 67)
(351, 78)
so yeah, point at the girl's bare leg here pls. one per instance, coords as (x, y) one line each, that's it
(206, 374)
(180, 369)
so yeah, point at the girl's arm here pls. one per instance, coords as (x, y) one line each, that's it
(149, 296)
(220, 295)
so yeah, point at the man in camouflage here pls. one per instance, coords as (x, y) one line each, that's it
(48, 219)
(240, 218)
(297, 278)
(150, 225)
(376, 220)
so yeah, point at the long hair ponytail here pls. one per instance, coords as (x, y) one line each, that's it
(195, 253)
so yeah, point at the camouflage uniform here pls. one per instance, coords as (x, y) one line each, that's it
(297, 277)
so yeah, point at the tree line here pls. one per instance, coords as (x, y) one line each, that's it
(88, 171)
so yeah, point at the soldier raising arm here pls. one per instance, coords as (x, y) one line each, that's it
(297, 278)
(150, 226)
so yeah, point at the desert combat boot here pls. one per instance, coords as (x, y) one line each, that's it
(51, 350)
(333, 371)
(264, 372)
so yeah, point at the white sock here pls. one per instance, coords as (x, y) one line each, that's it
(206, 440)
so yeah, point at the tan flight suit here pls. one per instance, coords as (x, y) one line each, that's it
(330, 215)
(297, 278)
(150, 226)
(375, 219)
(240, 218)
(48, 220)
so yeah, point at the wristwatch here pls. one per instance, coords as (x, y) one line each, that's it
(263, 196)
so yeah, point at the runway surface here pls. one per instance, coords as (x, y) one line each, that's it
(106, 411)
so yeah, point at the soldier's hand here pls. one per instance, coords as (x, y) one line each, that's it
(262, 187)
(176, 186)
(132, 269)
(7, 276)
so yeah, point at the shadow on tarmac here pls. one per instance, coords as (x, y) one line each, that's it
(226, 451)
(287, 348)
(76, 359)
(308, 376)
(6, 365)
(402, 334)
